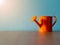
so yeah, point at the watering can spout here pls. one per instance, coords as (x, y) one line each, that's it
(34, 19)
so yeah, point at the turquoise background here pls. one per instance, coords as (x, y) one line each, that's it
(17, 14)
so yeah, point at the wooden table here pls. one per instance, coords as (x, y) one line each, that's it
(29, 38)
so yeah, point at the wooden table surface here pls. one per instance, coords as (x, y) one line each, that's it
(29, 38)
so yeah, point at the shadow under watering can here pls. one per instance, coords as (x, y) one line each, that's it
(44, 23)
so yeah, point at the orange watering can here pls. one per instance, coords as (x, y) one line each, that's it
(44, 23)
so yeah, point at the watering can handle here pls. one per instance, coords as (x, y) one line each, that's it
(55, 19)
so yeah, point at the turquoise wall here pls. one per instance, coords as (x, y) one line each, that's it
(15, 14)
